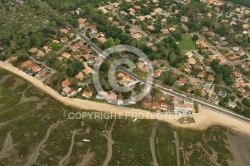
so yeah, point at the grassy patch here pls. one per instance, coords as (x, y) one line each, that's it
(186, 43)
(9, 102)
(165, 148)
(17, 111)
(132, 143)
(32, 91)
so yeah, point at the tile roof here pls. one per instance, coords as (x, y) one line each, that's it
(66, 83)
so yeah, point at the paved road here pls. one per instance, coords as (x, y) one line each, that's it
(85, 38)
(195, 99)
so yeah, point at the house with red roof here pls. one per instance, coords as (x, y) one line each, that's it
(201, 74)
(66, 55)
(73, 48)
(157, 73)
(182, 81)
(87, 56)
(102, 39)
(87, 70)
(64, 39)
(87, 94)
(67, 91)
(81, 21)
(27, 64)
(64, 30)
(191, 61)
(121, 75)
(36, 68)
(41, 73)
(79, 76)
(210, 77)
(246, 94)
(192, 80)
(66, 83)
(237, 74)
(136, 35)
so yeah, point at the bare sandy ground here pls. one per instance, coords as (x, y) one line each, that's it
(108, 135)
(240, 147)
(152, 143)
(203, 120)
(65, 158)
(208, 118)
(8, 145)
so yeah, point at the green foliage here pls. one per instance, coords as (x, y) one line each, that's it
(224, 70)
(55, 46)
(3, 57)
(56, 79)
(246, 102)
(197, 92)
(104, 67)
(168, 78)
(247, 112)
(69, 5)
(196, 107)
(177, 36)
(241, 2)
(73, 68)
(195, 38)
(25, 26)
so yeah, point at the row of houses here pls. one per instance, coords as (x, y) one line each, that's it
(33, 69)
(159, 106)
(71, 92)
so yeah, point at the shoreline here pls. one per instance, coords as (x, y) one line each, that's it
(206, 118)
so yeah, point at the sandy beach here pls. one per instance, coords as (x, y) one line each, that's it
(203, 120)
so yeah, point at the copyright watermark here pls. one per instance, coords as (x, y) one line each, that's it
(127, 115)
(119, 64)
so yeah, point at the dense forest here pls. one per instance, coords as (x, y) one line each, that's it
(241, 2)
(68, 5)
(21, 30)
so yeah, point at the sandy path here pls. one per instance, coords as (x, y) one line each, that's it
(240, 147)
(177, 146)
(4, 78)
(203, 120)
(152, 142)
(65, 158)
(28, 99)
(38, 106)
(22, 100)
(17, 83)
(87, 158)
(108, 135)
(35, 154)
(8, 145)
(5, 123)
